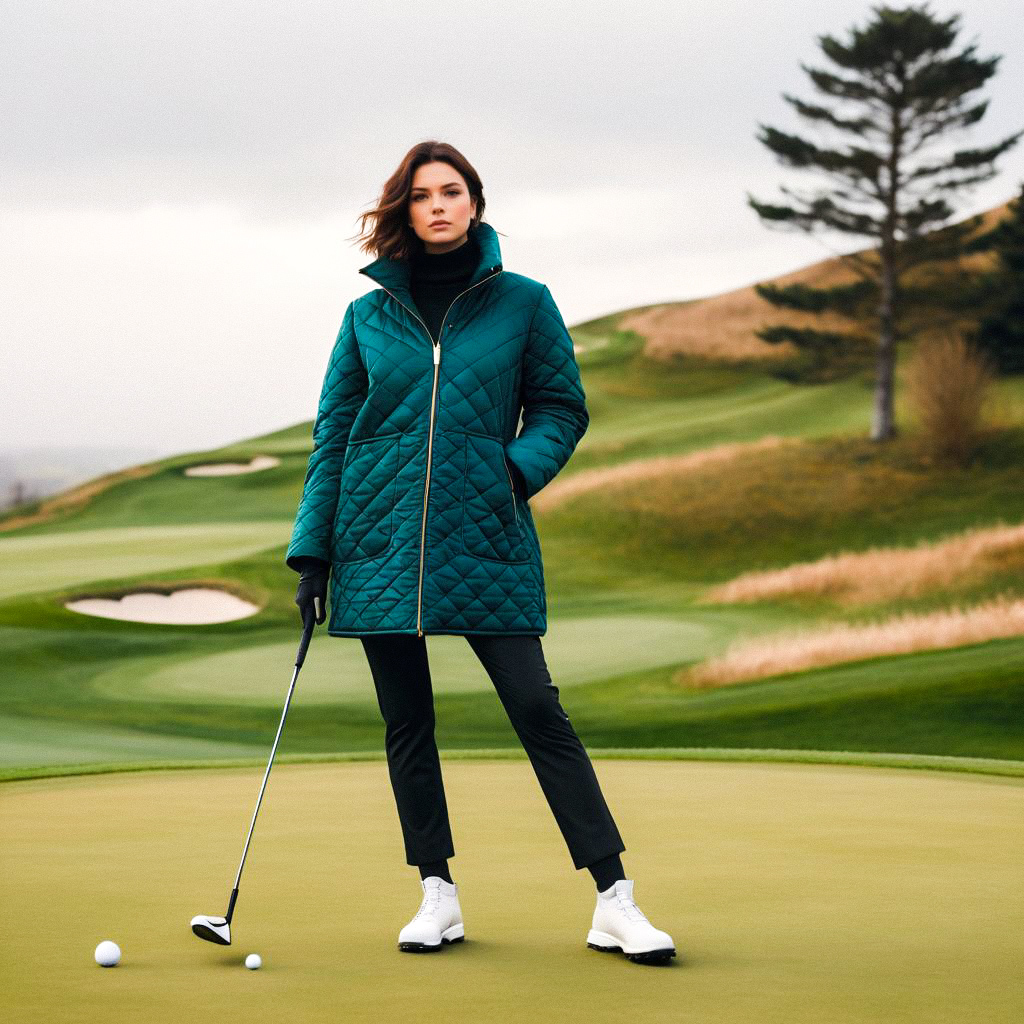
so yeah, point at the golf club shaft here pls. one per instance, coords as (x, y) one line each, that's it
(303, 646)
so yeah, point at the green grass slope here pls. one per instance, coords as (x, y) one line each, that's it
(626, 566)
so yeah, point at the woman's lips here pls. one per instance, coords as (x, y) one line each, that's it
(440, 224)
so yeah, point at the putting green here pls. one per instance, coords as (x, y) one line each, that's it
(336, 671)
(794, 893)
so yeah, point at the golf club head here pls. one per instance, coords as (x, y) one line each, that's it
(213, 929)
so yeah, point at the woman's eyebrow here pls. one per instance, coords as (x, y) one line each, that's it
(420, 188)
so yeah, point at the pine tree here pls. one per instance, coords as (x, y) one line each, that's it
(904, 91)
(1000, 331)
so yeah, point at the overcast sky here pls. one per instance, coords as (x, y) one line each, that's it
(180, 182)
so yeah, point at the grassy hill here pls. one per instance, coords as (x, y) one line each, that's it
(627, 560)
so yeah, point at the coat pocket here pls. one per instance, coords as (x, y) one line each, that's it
(491, 519)
(367, 493)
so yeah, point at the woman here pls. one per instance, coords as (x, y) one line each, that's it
(415, 503)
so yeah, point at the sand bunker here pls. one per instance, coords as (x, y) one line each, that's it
(190, 606)
(233, 468)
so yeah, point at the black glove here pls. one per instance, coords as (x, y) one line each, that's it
(311, 596)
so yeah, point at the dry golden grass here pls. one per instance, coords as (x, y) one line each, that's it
(882, 574)
(76, 498)
(949, 383)
(721, 327)
(798, 650)
(559, 491)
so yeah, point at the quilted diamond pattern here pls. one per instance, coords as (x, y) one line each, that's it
(342, 395)
(490, 509)
(417, 487)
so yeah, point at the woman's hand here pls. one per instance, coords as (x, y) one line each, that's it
(311, 596)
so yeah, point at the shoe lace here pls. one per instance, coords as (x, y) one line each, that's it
(431, 900)
(630, 909)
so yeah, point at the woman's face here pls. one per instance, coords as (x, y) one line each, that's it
(439, 193)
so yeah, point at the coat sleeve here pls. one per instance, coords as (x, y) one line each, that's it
(555, 415)
(343, 393)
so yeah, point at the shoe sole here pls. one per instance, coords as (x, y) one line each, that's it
(604, 943)
(454, 934)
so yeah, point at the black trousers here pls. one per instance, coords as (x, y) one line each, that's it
(516, 666)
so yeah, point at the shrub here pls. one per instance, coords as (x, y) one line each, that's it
(948, 385)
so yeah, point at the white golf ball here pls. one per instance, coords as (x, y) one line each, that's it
(108, 953)
(253, 961)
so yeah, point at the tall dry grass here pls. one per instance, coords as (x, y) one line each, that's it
(948, 386)
(882, 574)
(559, 491)
(798, 650)
(723, 327)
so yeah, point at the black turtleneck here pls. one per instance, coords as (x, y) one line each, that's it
(437, 278)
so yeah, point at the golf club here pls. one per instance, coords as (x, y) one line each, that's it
(218, 929)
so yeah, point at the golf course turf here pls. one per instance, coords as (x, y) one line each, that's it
(833, 846)
(794, 893)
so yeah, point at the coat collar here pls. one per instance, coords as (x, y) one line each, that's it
(393, 274)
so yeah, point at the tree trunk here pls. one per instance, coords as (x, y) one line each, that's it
(883, 426)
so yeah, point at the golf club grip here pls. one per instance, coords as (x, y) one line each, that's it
(307, 635)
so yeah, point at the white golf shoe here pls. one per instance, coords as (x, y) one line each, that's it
(439, 919)
(619, 926)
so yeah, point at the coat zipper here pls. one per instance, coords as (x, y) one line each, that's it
(430, 436)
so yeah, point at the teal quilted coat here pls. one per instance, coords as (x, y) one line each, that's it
(408, 492)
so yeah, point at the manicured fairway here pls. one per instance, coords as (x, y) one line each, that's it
(795, 893)
(36, 563)
(580, 651)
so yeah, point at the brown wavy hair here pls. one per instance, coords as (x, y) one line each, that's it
(390, 234)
